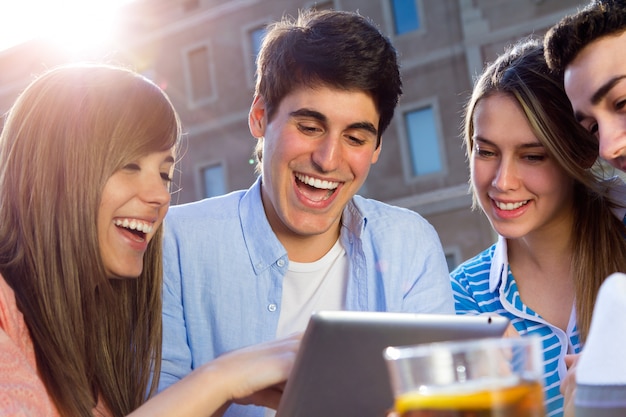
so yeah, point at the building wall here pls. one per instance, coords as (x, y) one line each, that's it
(438, 63)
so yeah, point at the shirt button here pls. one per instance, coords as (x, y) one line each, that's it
(280, 263)
(271, 307)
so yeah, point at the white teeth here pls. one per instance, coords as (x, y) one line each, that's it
(510, 206)
(134, 224)
(317, 183)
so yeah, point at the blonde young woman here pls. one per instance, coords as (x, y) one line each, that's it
(560, 232)
(86, 157)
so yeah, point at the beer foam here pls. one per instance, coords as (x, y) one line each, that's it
(472, 386)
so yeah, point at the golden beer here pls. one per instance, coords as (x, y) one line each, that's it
(522, 400)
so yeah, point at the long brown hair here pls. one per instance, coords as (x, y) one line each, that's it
(599, 237)
(66, 134)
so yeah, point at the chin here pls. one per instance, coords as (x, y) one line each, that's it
(123, 277)
(124, 274)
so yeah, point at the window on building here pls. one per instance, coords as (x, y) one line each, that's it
(214, 181)
(199, 61)
(452, 261)
(405, 16)
(322, 5)
(256, 37)
(423, 141)
(252, 48)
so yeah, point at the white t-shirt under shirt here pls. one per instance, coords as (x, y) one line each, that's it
(313, 286)
(309, 287)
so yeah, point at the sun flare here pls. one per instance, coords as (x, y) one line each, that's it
(72, 24)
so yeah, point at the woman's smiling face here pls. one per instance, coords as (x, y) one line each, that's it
(519, 186)
(134, 202)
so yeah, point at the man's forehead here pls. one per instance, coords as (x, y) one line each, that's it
(595, 65)
(603, 48)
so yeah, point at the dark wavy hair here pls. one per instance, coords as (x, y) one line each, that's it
(569, 36)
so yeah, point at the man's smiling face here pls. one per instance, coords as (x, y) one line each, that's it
(317, 152)
(595, 83)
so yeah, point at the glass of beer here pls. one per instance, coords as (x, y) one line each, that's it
(491, 377)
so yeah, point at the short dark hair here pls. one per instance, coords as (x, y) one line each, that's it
(568, 37)
(336, 48)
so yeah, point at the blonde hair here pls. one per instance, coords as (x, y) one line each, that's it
(66, 134)
(599, 238)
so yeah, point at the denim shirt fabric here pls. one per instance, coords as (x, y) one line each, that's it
(224, 269)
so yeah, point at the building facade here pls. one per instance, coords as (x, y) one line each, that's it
(202, 52)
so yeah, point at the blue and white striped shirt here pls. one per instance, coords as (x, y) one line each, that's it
(485, 284)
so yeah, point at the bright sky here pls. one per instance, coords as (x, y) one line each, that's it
(75, 24)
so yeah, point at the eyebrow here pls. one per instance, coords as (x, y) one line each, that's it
(599, 95)
(529, 145)
(605, 88)
(367, 126)
(169, 159)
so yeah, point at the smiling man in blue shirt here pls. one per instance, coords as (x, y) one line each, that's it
(253, 265)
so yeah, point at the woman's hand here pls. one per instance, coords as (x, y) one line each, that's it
(252, 375)
(257, 374)
(568, 385)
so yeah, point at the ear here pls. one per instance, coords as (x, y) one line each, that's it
(257, 117)
(376, 153)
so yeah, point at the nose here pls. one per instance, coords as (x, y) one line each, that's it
(612, 138)
(327, 153)
(506, 176)
(155, 191)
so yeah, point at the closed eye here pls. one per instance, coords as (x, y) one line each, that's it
(356, 141)
(484, 153)
(482, 150)
(131, 167)
(535, 158)
(165, 176)
(593, 128)
(309, 130)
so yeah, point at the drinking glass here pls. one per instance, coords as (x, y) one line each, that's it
(490, 377)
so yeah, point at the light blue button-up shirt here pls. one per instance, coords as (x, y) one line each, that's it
(224, 269)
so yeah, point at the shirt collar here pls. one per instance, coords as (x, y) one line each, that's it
(617, 192)
(352, 219)
(266, 251)
(499, 270)
(263, 246)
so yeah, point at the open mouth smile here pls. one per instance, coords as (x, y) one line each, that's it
(510, 206)
(316, 189)
(138, 228)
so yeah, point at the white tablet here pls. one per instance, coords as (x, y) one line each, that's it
(340, 370)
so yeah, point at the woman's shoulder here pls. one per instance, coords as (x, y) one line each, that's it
(480, 264)
(11, 319)
(15, 334)
(21, 390)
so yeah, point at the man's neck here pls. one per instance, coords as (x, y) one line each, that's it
(308, 248)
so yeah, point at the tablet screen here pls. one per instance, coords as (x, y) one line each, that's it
(340, 369)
